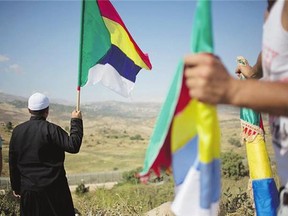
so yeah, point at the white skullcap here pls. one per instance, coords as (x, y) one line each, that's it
(38, 101)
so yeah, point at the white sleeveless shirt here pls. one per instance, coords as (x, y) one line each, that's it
(275, 46)
(275, 68)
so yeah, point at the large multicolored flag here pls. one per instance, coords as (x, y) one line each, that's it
(187, 136)
(264, 189)
(108, 53)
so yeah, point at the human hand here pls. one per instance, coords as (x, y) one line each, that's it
(76, 114)
(207, 78)
(15, 194)
(243, 68)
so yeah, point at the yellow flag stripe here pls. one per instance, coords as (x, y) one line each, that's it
(258, 159)
(183, 127)
(209, 132)
(120, 38)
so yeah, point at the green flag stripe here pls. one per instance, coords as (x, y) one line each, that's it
(164, 120)
(94, 39)
(202, 34)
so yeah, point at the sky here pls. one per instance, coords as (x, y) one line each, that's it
(39, 44)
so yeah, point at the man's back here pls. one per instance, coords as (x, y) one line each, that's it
(36, 161)
(38, 158)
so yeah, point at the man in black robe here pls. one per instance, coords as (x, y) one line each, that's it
(36, 161)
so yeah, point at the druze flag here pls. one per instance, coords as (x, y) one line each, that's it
(108, 53)
(263, 187)
(187, 136)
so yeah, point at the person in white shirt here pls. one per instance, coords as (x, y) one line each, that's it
(209, 81)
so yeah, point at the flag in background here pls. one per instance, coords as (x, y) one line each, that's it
(108, 53)
(187, 136)
(264, 189)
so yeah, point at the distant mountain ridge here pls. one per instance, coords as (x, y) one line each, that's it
(103, 108)
(8, 97)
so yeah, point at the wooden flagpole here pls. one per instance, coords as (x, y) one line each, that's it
(78, 99)
(80, 58)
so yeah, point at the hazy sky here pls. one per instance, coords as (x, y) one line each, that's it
(39, 43)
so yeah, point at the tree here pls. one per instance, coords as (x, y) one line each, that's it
(9, 125)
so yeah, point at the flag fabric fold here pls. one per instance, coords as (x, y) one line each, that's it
(108, 53)
(263, 187)
(187, 136)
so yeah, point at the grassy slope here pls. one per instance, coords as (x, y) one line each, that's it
(108, 143)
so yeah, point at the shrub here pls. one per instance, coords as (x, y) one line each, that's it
(232, 166)
(131, 176)
(81, 189)
(9, 126)
(136, 137)
(234, 142)
(9, 205)
(239, 203)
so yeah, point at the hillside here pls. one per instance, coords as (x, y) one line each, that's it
(116, 134)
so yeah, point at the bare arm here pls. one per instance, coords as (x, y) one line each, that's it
(209, 82)
(258, 67)
(284, 18)
(262, 96)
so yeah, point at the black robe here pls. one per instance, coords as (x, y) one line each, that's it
(36, 163)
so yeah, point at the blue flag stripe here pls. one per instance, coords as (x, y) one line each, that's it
(124, 65)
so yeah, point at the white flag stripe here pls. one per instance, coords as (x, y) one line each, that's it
(109, 77)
